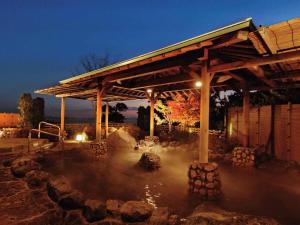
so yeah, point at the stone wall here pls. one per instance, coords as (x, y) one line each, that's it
(9, 119)
(204, 180)
(242, 156)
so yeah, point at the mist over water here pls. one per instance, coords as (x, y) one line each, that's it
(250, 191)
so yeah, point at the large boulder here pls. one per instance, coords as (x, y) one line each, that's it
(136, 211)
(121, 140)
(160, 216)
(208, 213)
(71, 201)
(113, 207)
(36, 179)
(23, 165)
(58, 187)
(149, 161)
(94, 210)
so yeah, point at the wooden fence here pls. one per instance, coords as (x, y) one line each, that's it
(275, 127)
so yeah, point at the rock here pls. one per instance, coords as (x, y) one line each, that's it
(210, 167)
(73, 217)
(58, 187)
(160, 216)
(149, 161)
(7, 162)
(136, 211)
(173, 220)
(242, 156)
(72, 201)
(110, 221)
(113, 207)
(208, 213)
(36, 179)
(94, 210)
(38, 157)
(23, 165)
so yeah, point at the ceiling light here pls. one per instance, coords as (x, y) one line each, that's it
(198, 84)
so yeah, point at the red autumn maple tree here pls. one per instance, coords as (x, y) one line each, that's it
(185, 110)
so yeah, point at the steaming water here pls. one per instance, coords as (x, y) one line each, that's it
(117, 177)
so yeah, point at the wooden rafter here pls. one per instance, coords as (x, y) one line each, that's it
(162, 82)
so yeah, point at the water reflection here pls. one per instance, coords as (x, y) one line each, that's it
(152, 194)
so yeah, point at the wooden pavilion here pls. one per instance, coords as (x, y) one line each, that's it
(238, 56)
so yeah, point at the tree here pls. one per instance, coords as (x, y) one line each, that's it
(185, 110)
(38, 105)
(143, 120)
(92, 62)
(163, 114)
(25, 108)
(115, 114)
(31, 110)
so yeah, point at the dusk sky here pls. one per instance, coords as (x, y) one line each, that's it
(42, 41)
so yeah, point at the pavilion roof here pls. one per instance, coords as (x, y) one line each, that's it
(266, 57)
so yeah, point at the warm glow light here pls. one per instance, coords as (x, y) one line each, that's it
(80, 137)
(230, 129)
(198, 84)
(149, 90)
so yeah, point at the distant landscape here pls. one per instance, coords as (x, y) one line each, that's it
(132, 120)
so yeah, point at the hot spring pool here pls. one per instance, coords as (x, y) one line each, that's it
(250, 191)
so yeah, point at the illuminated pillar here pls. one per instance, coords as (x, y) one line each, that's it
(106, 119)
(152, 116)
(246, 113)
(204, 115)
(98, 115)
(62, 116)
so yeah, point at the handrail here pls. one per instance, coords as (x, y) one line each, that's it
(51, 125)
(45, 132)
(39, 131)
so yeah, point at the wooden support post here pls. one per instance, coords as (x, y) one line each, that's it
(152, 101)
(106, 119)
(289, 130)
(246, 114)
(258, 126)
(99, 114)
(204, 114)
(62, 116)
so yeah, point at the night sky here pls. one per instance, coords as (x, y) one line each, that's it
(43, 41)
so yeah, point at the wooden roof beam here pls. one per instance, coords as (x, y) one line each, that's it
(238, 37)
(163, 82)
(255, 62)
(286, 75)
(139, 73)
(260, 74)
(78, 93)
(124, 95)
(236, 77)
